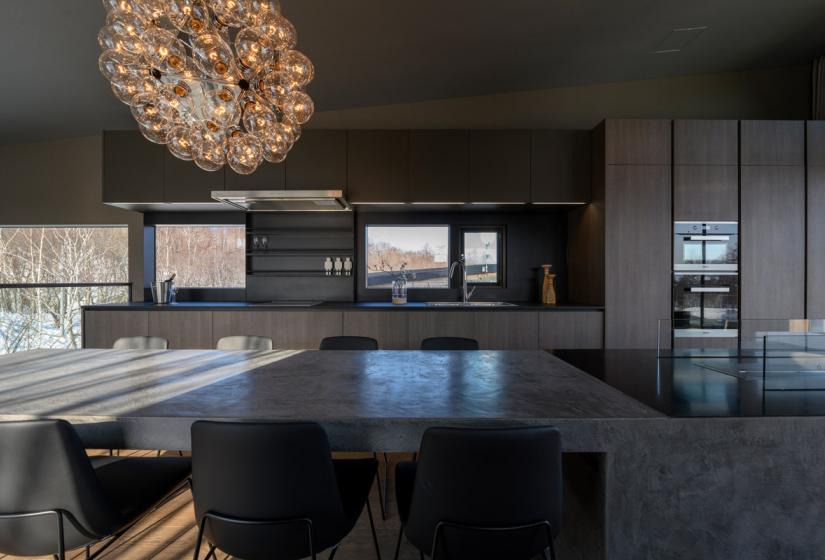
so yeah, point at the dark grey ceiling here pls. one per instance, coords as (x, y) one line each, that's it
(370, 52)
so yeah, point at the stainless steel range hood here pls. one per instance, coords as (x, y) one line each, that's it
(285, 201)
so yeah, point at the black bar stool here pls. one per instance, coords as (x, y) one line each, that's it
(349, 343)
(483, 493)
(271, 491)
(449, 343)
(56, 498)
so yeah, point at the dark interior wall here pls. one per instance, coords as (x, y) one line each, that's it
(533, 238)
(59, 183)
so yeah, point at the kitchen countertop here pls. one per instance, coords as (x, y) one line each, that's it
(328, 306)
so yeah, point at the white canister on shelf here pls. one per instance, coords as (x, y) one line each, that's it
(328, 266)
(339, 266)
(347, 267)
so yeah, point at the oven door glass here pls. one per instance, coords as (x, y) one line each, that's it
(705, 305)
(712, 251)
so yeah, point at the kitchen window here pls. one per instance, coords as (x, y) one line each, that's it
(48, 273)
(421, 252)
(201, 256)
(483, 250)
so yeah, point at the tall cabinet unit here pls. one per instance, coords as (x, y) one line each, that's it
(772, 229)
(816, 220)
(637, 202)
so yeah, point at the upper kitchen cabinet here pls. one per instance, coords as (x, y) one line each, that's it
(706, 193)
(183, 181)
(378, 166)
(132, 168)
(773, 142)
(439, 166)
(560, 166)
(816, 143)
(499, 166)
(638, 141)
(318, 160)
(268, 177)
(705, 142)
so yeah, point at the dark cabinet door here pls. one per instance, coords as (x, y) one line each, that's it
(186, 182)
(318, 160)
(638, 141)
(637, 254)
(132, 167)
(440, 166)
(705, 142)
(816, 242)
(816, 142)
(773, 142)
(560, 166)
(378, 166)
(772, 242)
(268, 177)
(706, 193)
(499, 166)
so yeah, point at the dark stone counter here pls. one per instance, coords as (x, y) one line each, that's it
(327, 306)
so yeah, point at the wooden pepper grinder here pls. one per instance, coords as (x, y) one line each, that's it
(548, 286)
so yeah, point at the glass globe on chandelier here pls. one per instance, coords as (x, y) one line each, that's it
(218, 81)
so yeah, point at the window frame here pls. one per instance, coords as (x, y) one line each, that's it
(501, 253)
(428, 289)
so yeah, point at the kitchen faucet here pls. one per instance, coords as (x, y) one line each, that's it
(465, 294)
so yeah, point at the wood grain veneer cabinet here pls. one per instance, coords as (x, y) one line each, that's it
(772, 239)
(389, 328)
(571, 330)
(304, 330)
(378, 166)
(705, 142)
(816, 220)
(637, 253)
(637, 142)
(439, 166)
(773, 143)
(703, 193)
(499, 166)
(240, 323)
(132, 167)
(183, 329)
(183, 181)
(318, 160)
(102, 328)
(560, 166)
(494, 330)
(425, 324)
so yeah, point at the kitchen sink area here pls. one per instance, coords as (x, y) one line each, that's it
(470, 304)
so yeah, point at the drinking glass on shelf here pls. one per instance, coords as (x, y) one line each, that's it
(255, 243)
(264, 242)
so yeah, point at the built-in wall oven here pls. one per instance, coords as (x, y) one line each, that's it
(705, 284)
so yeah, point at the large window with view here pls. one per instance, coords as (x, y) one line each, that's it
(421, 253)
(48, 273)
(201, 256)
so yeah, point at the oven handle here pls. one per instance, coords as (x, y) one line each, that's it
(709, 289)
(708, 238)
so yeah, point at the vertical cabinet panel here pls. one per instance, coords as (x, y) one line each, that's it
(816, 143)
(816, 242)
(772, 238)
(132, 167)
(439, 166)
(773, 142)
(638, 141)
(102, 328)
(705, 142)
(706, 193)
(240, 323)
(378, 166)
(183, 329)
(389, 328)
(571, 330)
(426, 324)
(503, 330)
(637, 254)
(317, 160)
(560, 166)
(499, 166)
(304, 330)
(186, 182)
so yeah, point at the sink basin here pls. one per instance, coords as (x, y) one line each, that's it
(470, 304)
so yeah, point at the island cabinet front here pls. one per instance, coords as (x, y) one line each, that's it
(394, 329)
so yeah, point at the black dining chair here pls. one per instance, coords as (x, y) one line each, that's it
(349, 343)
(482, 493)
(449, 343)
(271, 491)
(54, 497)
(362, 343)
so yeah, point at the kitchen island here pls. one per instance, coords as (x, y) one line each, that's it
(639, 484)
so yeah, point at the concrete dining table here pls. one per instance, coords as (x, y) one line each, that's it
(638, 484)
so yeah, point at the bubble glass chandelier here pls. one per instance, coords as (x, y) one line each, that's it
(218, 81)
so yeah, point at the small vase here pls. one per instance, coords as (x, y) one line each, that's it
(548, 286)
(399, 291)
